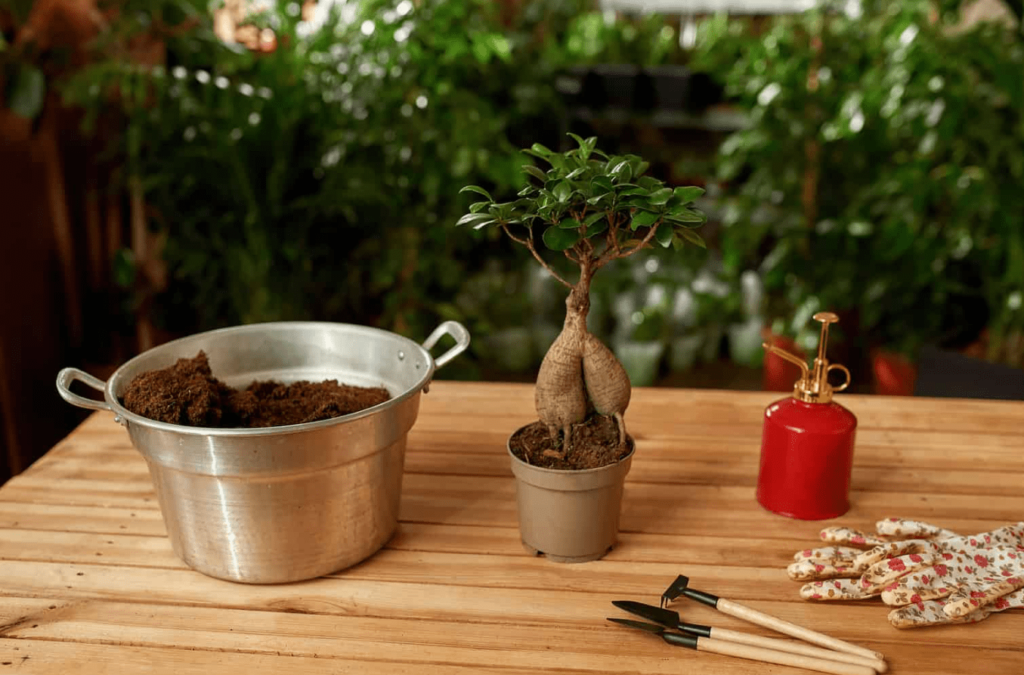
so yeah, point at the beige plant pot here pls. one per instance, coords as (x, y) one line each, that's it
(569, 516)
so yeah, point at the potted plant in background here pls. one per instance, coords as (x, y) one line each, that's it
(570, 465)
(860, 183)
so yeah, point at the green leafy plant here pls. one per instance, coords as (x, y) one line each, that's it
(880, 166)
(305, 182)
(602, 37)
(592, 209)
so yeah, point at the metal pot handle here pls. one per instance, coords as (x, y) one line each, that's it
(69, 375)
(457, 331)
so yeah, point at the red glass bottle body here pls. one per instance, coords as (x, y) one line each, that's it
(806, 459)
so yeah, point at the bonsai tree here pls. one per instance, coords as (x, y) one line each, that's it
(592, 209)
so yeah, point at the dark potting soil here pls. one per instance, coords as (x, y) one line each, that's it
(595, 443)
(187, 393)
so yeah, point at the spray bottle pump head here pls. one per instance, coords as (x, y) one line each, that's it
(813, 386)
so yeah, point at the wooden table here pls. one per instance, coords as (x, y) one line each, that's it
(90, 585)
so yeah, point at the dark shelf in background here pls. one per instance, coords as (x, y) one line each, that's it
(715, 118)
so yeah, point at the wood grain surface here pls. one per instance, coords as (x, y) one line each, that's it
(88, 582)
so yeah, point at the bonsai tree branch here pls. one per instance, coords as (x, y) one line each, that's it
(618, 254)
(528, 243)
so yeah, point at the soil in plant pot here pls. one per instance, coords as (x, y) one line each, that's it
(187, 393)
(595, 443)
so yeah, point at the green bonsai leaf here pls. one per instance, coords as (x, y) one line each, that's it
(535, 172)
(569, 224)
(596, 228)
(478, 190)
(562, 190)
(471, 218)
(688, 194)
(687, 216)
(665, 234)
(623, 171)
(593, 218)
(557, 239)
(477, 207)
(540, 150)
(692, 237)
(502, 212)
(660, 197)
(644, 219)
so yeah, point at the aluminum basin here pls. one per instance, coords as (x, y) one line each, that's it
(287, 503)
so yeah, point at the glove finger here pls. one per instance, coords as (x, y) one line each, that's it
(831, 554)
(903, 528)
(894, 549)
(927, 584)
(833, 589)
(884, 573)
(1009, 535)
(929, 613)
(972, 596)
(822, 569)
(846, 535)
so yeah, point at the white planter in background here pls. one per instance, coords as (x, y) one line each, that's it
(745, 342)
(682, 352)
(641, 360)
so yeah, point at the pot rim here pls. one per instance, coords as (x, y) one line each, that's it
(563, 472)
(125, 416)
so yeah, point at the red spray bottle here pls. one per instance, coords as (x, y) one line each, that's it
(807, 444)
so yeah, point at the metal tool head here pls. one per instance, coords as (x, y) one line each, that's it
(649, 627)
(677, 639)
(675, 589)
(659, 615)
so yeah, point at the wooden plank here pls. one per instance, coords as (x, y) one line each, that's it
(505, 603)
(59, 658)
(596, 647)
(80, 518)
(877, 471)
(648, 508)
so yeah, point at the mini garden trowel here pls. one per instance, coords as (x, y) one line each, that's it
(670, 619)
(703, 644)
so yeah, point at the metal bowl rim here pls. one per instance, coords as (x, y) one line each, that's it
(128, 416)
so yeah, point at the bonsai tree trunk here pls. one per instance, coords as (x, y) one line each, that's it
(578, 365)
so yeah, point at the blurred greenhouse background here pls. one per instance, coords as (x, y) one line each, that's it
(200, 165)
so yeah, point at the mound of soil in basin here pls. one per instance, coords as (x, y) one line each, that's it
(187, 393)
(595, 443)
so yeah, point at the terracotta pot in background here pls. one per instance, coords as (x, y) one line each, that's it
(894, 374)
(777, 373)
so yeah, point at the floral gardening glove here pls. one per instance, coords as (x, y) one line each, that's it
(982, 575)
(840, 561)
(932, 612)
(887, 564)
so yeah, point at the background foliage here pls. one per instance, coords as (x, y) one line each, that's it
(878, 174)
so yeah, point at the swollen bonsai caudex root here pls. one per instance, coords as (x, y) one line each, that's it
(559, 396)
(593, 209)
(578, 366)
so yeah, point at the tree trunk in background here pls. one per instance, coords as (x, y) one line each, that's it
(56, 302)
(33, 324)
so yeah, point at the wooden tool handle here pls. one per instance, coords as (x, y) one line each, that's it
(796, 648)
(782, 658)
(805, 634)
